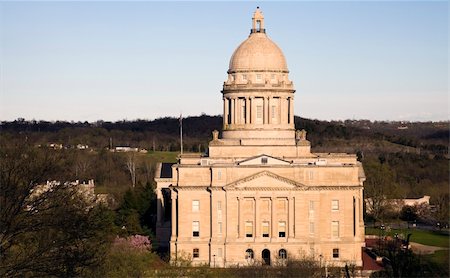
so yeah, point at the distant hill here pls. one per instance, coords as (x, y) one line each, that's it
(163, 134)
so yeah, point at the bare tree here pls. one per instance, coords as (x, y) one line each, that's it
(82, 166)
(131, 167)
(442, 215)
(380, 189)
(45, 229)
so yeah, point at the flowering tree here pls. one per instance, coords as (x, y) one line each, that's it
(136, 242)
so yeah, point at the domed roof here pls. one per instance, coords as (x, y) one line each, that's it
(258, 52)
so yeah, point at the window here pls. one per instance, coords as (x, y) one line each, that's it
(272, 76)
(259, 77)
(311, 175)
(244, 77)
(195, 205)
(219, 252)
(263, 160)
(219, 227)
(281, 229)
(219, 205)
(282, 254)
(311, 227)
(195, 253)
(335, 253)
(265, 229)
(272, 112)
(219, 175)
(195, 228)
(335, 205)
(248, 229)
(259, 111)
(335, 229)
(249, 255)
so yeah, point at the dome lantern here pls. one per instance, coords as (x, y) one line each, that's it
(258, 52)
(258, 22)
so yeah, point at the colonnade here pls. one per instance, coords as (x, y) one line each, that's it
(288, 216)
(244, 110)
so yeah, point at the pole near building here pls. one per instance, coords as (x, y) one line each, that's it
(181, 133)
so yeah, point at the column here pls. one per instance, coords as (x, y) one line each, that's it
(160, 202)
(232, 110)
(279, 101)
(265, 110)
(257, 231)
(236, 111)
(291, 216)
(173, 220)
(225, 111)
(291, 110)
(247, 110)
(239, 111)
(239, 228)
(252, 110)
(272, 225)
(283, 110)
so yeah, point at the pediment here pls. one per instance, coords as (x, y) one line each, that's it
(264, 160)
(264, 180)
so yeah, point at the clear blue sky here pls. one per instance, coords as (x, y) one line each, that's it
(128, 60)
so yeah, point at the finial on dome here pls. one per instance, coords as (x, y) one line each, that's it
(258, 22)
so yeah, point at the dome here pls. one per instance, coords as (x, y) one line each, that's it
(258, 52)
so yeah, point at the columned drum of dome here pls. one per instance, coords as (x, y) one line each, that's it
(258, 96)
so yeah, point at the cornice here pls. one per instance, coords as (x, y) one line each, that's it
(262, 188)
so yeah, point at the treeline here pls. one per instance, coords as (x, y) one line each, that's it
(417, 153)
(163, 134)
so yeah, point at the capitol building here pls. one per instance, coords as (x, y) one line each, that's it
(259, 195)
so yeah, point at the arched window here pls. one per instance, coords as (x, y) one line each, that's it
(282, 254)
(249, 255)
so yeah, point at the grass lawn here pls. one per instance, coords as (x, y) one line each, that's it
(163, 156)
(440, 257)
(419, 236)
(439, 261)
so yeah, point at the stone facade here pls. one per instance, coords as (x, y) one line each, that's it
(260, 195)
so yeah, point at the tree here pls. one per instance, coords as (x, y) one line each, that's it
(131, 167)
(380, 189)
(442, 215)
(50, 229)
(408, 213)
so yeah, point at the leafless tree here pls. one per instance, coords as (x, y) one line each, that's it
(131, 167)
(45, 229)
